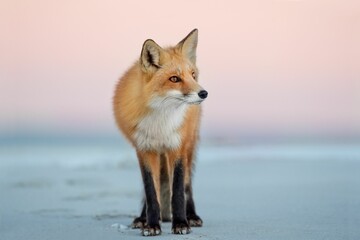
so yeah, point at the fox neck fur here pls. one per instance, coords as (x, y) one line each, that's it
(159, 129)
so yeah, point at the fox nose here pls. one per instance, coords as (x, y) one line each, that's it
(203, 94)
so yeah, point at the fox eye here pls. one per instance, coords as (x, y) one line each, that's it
(175, 79)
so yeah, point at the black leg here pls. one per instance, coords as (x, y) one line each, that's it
(152, 226)
(179, 222)
(193, 219)
(140, 222)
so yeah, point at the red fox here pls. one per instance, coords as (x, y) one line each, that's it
(157, 108)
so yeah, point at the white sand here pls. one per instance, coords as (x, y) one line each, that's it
(252, 192)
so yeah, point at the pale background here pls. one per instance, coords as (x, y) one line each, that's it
(280, 150)
(287, 68)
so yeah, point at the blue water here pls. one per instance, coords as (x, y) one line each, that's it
(56, 188)
(79, 151)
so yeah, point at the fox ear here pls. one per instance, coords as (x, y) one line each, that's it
(188, 45)
(150, 55)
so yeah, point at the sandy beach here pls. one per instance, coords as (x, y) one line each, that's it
(93, 191)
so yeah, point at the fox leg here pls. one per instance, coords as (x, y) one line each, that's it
(150, 170)
(165, 188)
(140, 221)
(193, 219)
(180, 224)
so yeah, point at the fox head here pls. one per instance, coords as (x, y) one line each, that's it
(170, 73)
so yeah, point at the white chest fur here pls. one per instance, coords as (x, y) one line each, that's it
(159, 130)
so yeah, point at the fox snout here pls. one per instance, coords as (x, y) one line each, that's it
(196, 97)
(203, 94)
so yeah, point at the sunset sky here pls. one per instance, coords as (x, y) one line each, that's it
(270, 67)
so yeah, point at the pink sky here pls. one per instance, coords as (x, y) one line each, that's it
(269, 66)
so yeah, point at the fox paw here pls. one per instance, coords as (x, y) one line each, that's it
(151, 230)
(180, 227)
(194, 220)
(139, 222)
